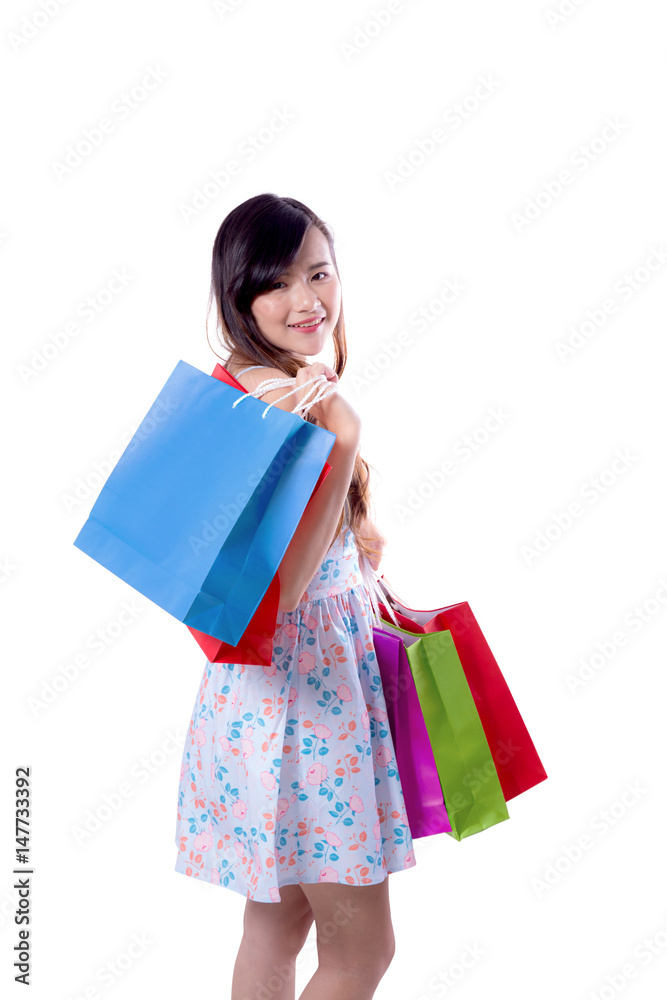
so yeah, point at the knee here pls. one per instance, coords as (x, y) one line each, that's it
(390, 950)
(367, 962)
(373, 967)
(384, 953)
(381, 950)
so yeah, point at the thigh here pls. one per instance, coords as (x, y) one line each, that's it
(353, 923)
(291, 918)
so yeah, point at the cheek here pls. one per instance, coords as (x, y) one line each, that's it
(333, 294)
(265, 311)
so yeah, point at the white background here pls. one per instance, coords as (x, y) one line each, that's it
(362, 97)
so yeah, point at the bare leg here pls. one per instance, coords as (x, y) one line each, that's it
(273, 936)
(355, 939)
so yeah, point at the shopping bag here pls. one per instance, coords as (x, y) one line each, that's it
(472, 793)
(202, 504)
(517, 762)
(255, 647)
(422, 792)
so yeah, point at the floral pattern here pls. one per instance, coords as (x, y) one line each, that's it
(288, 772)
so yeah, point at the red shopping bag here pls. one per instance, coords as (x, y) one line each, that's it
(513, 751)
(255, 647)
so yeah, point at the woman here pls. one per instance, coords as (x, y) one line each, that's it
(289, 791)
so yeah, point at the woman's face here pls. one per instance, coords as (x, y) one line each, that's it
(309, 289)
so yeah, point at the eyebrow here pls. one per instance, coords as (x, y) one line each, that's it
(311, 267)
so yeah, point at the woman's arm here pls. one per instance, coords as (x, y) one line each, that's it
(315, 531)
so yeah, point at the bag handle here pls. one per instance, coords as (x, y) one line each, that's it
(390, 594)
(375, 587)
(320, 386)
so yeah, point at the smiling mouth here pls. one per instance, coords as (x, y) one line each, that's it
(312, 325)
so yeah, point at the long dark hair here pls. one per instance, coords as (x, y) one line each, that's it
(257, 241)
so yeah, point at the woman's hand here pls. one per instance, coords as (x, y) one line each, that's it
(334, 412)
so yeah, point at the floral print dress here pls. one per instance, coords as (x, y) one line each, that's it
(288, 772)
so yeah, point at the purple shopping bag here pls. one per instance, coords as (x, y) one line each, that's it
(422, 792)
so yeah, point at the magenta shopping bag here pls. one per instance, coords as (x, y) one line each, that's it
(422, 791)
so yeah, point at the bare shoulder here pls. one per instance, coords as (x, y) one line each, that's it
(251, 379)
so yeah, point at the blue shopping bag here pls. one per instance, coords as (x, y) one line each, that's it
(202, 504)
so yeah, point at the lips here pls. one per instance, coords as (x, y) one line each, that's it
(315, 321)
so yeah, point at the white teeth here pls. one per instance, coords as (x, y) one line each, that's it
(297, 326)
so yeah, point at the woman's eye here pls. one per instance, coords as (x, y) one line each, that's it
(325, 274)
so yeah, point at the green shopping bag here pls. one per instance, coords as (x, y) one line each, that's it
(472, 792)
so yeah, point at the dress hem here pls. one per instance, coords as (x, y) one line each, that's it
(205, 873)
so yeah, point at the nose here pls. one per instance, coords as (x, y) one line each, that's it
(305, 299)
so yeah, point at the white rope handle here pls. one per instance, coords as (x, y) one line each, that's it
(320, 385)
(390, 594)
